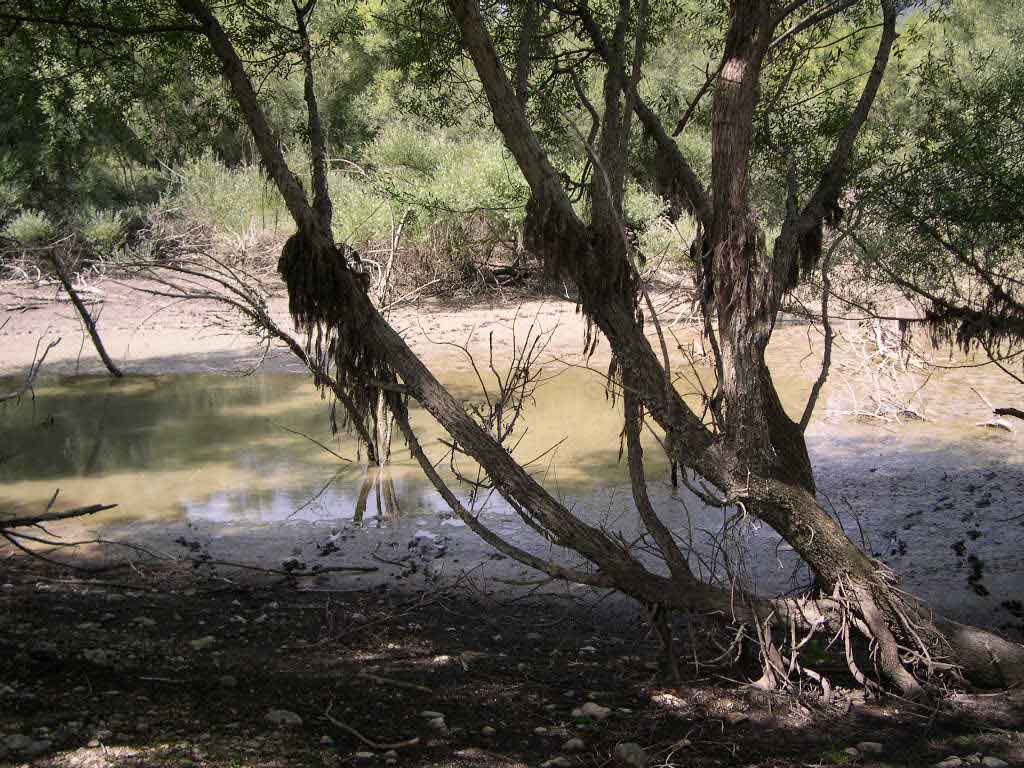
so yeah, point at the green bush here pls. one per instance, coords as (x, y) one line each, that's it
(31, 228)
(232, 200)
(103, 229)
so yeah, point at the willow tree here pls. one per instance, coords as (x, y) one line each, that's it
(745, 451)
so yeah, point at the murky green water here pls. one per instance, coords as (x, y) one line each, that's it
(226, 455)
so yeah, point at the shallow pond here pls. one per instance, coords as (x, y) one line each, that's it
(239, 466)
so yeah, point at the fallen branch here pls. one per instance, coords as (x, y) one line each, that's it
(1016, 413)
(278, 571)
(370, 742)
(394, 683)
(48, 517)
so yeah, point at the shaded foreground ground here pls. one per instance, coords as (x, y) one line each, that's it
(170, 669)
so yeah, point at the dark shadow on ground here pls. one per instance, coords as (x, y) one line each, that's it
(175, 670)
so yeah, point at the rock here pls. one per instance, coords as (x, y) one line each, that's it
(429, 714)
(487, 731)
(284, 718)
(98, 656)
(950, 762)
(575, 744)
(852, 752)
(43, 650)
(358, 618)
(365, 755)
(533, 636)
(736, 718)
(994, 762)
(438, 726)
(390, 753)
(144, 621)
(17, 743)
(870, 748)
(228, 681)
(202, 643)
(540, 730)
(630, 755)
(668, 701)
(23, 745)
(557, 762)
(592, 710)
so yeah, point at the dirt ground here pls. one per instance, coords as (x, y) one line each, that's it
(173, 668)
(151, 335)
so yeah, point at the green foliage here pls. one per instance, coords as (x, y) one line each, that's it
(31, 228)
(234, 200)
(103, 229)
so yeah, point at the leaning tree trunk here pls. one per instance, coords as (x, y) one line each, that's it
(757, 460)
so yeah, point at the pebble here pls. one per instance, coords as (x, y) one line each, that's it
(592, 710)
(533, 636)
(575, 744)
(326, 741)
(202, 643)
(950, 762)
(144, 621)
(557, 762)
(994, 762)
(852, 752)
(390, 753)
(228, 681)
(365, 755)
(630, 755)
(429, 714)
(487, 731)
(736, 718)
(283, 717)
(871, 747)
(540, 730)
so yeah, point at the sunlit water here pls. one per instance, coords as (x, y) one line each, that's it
(231, 462)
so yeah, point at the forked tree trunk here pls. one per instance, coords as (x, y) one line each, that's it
(759, 458)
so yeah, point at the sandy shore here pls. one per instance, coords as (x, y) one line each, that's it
(150, 335)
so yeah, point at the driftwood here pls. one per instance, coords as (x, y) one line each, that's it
(49, 517)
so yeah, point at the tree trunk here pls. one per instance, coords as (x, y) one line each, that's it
(759, 458)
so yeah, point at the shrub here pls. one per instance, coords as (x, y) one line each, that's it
(31, 227)
(103, 229)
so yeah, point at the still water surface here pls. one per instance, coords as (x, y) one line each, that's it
(223, 457)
